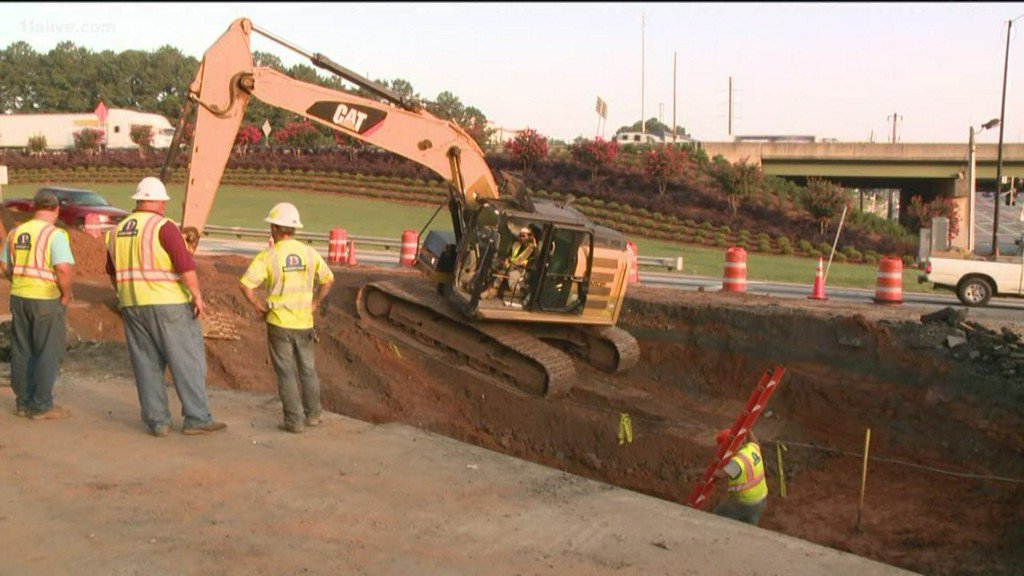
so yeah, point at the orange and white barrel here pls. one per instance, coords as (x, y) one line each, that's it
(634, 268)
(337, 246)
(92, 225)
(735, 277)
(410, 242)
(889, 288)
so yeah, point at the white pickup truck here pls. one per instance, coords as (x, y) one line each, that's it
(976, 281)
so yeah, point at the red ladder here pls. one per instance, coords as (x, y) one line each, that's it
(737, 435)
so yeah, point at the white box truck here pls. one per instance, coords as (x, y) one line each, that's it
(59, 129)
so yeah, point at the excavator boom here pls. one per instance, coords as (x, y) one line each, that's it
(227, 78)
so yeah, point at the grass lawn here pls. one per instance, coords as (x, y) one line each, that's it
(246, 207)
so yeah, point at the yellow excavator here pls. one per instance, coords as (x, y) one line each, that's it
(512, 324)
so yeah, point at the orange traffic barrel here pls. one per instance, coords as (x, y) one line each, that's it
(735, 277)
(92, 225)
(889, 288)
(634, 268)
(410, 242)
(337, 246)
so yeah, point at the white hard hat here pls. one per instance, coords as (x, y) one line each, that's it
(151, 188)
(284, 214)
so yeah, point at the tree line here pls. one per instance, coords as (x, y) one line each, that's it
(74, 79)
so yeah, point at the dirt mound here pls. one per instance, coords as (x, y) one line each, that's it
(849, 367)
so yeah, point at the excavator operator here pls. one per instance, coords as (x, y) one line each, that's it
(513, 268)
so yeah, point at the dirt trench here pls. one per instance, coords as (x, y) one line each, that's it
(701, 354)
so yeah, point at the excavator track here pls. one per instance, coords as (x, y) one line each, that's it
(507, 355)
(612, 349)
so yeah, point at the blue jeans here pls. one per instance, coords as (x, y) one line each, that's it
(38, 340)
(161, 336)
(749, 513)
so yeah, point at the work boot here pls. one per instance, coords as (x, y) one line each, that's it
(315, 421)
(54, 413)
(290, 428)
(208, 429)
(488, 294)
(22, 412)
(160, 430)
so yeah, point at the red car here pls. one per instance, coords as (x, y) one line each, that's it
(74, 205)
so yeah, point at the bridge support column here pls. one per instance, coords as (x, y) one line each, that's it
(959, 194)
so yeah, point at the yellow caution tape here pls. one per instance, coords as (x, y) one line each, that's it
(625, 429)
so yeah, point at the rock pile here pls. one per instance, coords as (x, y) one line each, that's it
(990, 351)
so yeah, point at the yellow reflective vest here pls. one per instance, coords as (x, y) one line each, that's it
(289, 271)
(28, 254)
(749, 487)
(519, 254)
(144, 273)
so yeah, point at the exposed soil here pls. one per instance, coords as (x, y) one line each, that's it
(848, 368)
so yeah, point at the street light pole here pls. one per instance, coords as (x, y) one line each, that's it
(972, 185)
(999, 157)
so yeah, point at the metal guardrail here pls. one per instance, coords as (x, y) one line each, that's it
(388, 244)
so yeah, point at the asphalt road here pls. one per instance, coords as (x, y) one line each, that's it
(1002, 309)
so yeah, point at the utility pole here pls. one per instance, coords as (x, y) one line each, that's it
(999, 160)
(643, 59)
(730, 105)
(675, 57)
(895, 118)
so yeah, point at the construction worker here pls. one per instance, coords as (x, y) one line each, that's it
(297, 280)
(513, 268)
(158, 292)
(748, 491)
(37, 260)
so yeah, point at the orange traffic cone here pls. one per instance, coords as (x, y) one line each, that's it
(818, 292)
(351, 253)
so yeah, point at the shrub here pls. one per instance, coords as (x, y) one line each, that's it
(705, 225)
(824, 247)
(689, 223)
(142, 136)
(840, 257)
(88, 140)
(764, 246)
(37, 144)
(738, 180)
(786, 249)
(824, 201)
(783, 242)
(909, 261)
(527, 148)
(870, 259)
(815, 254)
(248, 136)
(920, 214)
(805, 246)
(724, 229)
(662, 163)
(594, 154)
(720, 242)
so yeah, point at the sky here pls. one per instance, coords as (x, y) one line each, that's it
(837, 70)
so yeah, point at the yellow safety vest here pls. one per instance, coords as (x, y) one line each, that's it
(144, 272)
(289, 270)
(28, 254)
(749, 487)
(520, 253)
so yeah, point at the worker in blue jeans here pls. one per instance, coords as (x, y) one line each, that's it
(158, 292)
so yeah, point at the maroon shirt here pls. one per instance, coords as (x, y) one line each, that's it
(171, 241)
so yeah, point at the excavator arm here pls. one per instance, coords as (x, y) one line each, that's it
(227, 78)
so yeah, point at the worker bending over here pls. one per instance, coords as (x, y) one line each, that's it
(38, 261)
(748, 491)
(158, 292)
(289, 271)
(513, 268)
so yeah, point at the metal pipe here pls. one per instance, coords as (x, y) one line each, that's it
(325, 63)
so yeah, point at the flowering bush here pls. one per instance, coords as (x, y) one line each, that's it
(738, 180)
(825, 200)
(594, 154)
(662, 163)
(248, 136)
(142, 136)
(527, 148)
(88, 139)
(920, 214)
(37, 144)
(299, 135)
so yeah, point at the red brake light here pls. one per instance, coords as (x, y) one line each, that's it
(928, 267)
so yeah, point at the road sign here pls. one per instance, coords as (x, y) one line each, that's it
(101, 112)
(602, 108)
(266, 128)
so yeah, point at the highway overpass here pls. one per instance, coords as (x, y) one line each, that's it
(928, 170)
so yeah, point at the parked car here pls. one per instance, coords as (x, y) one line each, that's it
(977, 281)
(74, 205)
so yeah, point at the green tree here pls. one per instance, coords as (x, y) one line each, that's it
(824, 200)
(738, 181)
(654, 126)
